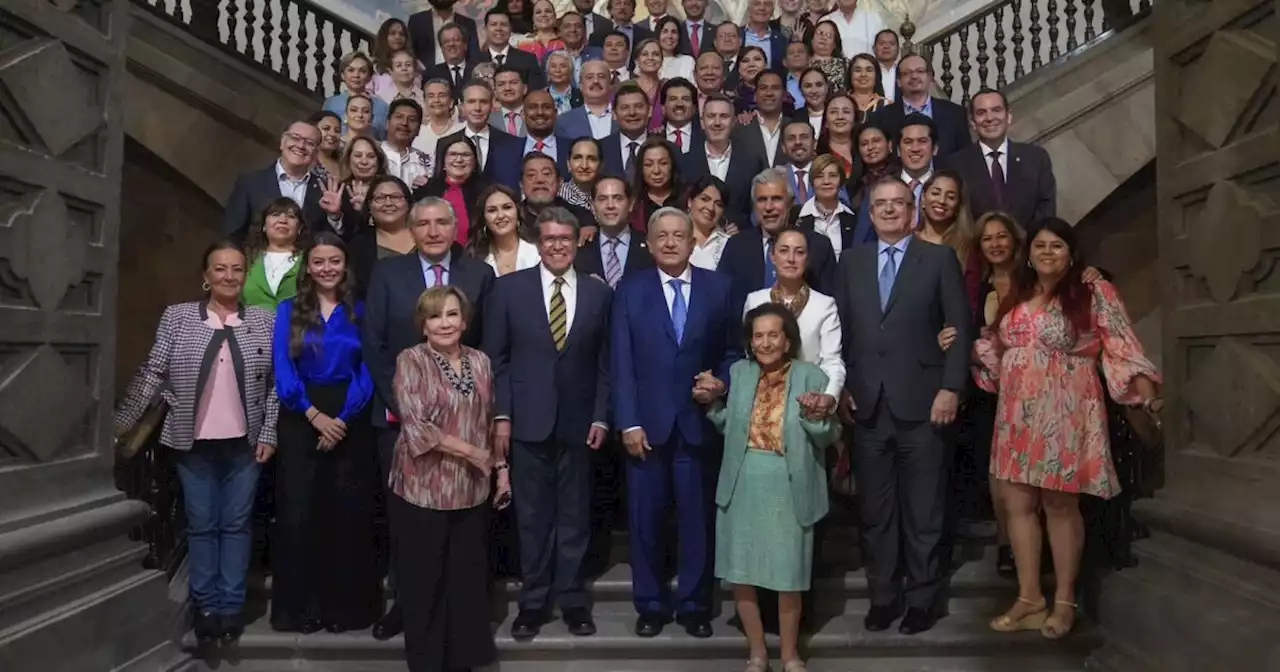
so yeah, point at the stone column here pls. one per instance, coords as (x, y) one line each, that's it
(74, 595)
(1206, 594)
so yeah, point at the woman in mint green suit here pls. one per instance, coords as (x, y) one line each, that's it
(772, 487)
(273, 248)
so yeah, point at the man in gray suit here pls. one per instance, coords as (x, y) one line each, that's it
(894, 296)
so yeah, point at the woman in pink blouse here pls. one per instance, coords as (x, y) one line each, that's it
(440, 482)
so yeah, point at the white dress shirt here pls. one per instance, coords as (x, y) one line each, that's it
(569, 290)
(527, 256)
(291, 188)
(719, 165)
(481, 140)
(427, 138)
(276, 265)
(1004, 157)
(889, 79)
(770, 138)
(493, 55)
(919, 187)
(686, 136)
(679, 65)
(828, 224)
(601, 124)
(707, 255)
(549, 146)
(820, 335)
(669, 292)
(858, 33)
(408, 165)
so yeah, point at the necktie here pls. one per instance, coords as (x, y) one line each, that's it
(558, 316)
(501, 59)
(475, 140)
(457, 76)
(614, 78)
(632, 146)
(997, 177)
(915, 191)
(887, 276)
(679, 309)
(695, 36)
(770, 272)
(438, 271)
(679, 139)
(511, 123)
(802, 190)
(538, 145)
(612, 264)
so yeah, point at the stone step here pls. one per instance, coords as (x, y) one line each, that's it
(1041, 662)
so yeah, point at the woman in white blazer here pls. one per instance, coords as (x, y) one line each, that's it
(820, 335)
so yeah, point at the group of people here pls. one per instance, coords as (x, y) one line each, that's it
(726, 286)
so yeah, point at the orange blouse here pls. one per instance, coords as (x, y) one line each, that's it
(765, 431)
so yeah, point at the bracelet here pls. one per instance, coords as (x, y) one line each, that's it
(1147, 404)
(501, 466)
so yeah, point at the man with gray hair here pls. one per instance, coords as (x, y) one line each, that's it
(388, 328)
(660, 352)
(748, 256)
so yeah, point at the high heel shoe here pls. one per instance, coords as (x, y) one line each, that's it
(1032, 620)
(1053, 626)
(757, 665)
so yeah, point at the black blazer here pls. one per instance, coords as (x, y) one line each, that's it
(743, 261)
(744, 164)
(748, 135)
(523, 61)
(255, 189)
(949, 119)
(548, 393)
(894, 352)
(443, 71)
(502, 164)
(706, 40)
(590, 259)
(638, 34)
(1030, 191)
(601, 26)
(389, 328)
(423, 33)
(848, 222)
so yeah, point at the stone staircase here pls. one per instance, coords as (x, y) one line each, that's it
(837, 642)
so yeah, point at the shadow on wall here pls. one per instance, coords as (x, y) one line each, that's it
(166, 222)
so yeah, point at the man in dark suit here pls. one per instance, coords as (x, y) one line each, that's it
(456, 68)
(734, 166)
(617, 250)
(499, 152)
(758, 30)
(596, 26)
(290, 177)
(894, 296)
(631, 111)
(425, 27)
(540, 128)
(593, 119)
(696, 25)
(622, 13)
(547, 334)
(763, 134)
(677, 98)
(539, 181)
(915, 78)
(1000, 174)
(497, 26)
(670, 324)
(389, 326)
(746, 259)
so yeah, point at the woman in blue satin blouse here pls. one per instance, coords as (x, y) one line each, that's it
(323, 562)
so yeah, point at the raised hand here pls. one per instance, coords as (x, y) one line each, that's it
(357, 191)
(331, 196)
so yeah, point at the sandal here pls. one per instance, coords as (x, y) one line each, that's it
(757, 665)
(1032, 620)
(796, 665)
(1053, 627)
(1004, 561)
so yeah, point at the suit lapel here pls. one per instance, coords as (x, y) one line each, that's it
(537, 304)
(695, 313)
(635, 258)
(871, 283)
(658, 298)
(904, 273)
(580, 311)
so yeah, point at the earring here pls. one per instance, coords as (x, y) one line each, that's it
(1029, 264)
(204, 286)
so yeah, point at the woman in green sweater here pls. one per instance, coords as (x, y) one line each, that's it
(273, 246)
(772, 487)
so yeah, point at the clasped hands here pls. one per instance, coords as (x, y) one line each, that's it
(332, 431)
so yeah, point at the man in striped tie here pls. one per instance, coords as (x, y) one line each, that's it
(618, 250)
(549, 346)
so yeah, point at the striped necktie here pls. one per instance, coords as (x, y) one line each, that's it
(558, 315)
(612, 265)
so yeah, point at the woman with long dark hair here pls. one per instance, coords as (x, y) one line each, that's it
(326, 477)
(272, 247)
(458, 180)
(496, 238)
(828, 55)
(836, 136)
(704, 201)
(866, 86)
(329, 152)
(875, 161)
(945, 220)
(1053, 330)
(656, 183)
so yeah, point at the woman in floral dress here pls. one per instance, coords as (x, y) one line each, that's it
(1051, 442)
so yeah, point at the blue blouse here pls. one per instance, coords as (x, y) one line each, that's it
(330, 355)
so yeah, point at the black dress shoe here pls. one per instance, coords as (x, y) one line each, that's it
(579, 621)
(207, 626)
(697, 626)
(650, 625)
(916, 621)
(311, 625)
(232, 628)
(881, 616)
(390, 625)
(527, 624)
(335, 627)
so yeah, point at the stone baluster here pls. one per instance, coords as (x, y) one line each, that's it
(1000, 48)
(1035, 29)
(983, 55)
(1053, 19)
(1018, 38)
(1070, 10)
(1089, 32)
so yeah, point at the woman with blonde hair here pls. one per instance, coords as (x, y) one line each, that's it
(356, 71)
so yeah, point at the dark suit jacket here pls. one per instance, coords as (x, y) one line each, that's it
(1030, 191)
(706, 40)
(638, 34)
(612, 145)
(652, 371)
(423, 33)
(602, 25)
(848, 222)
(443, 71)
(744, 164)
(573, 124)
(743, 263)
(748, 135)
(590, 259)
(548, 393)
(502, 163)
(523, 61)
(389, 328)
(777, 44)
(254, 190)
(894, 353)
(948, 118)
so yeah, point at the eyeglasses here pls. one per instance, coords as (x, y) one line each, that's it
(458, 156)
(884, 204)
(298, 139)
(558, 240)
(388, 198)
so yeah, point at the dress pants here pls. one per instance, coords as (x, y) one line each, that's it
(443, 588)
(324, 557)
(387, 437)
(683, 470)
(902, 471)
(219, 480)
(551, 491)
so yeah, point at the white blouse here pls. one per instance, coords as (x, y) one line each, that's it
(679, 65)
(527, 256)
(820, 335)
(707, 255)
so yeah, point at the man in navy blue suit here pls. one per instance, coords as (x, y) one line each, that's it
(547, 334)
(671, 324)
(499, 152)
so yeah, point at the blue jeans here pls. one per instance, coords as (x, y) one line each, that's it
(219, 479)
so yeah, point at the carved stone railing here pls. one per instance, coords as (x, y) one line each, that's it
(1003, 41)
(297, 41)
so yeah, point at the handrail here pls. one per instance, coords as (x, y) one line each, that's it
(145, 471)
(983, 35)
(298, 42)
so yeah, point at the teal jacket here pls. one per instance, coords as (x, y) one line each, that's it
(257, 291)
(804, 440)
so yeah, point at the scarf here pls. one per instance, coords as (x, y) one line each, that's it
(796, 304)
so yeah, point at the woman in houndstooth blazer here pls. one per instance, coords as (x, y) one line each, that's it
(211, 362)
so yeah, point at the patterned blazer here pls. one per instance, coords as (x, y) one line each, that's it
(179, 366)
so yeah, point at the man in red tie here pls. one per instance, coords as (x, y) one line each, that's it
(540, 122)
(676, 96)
(509, 89)
(696, 30)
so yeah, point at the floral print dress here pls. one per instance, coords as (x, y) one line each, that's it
(1051, 417)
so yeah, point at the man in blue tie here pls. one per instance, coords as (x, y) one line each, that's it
(670, 324)
(894, 296)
